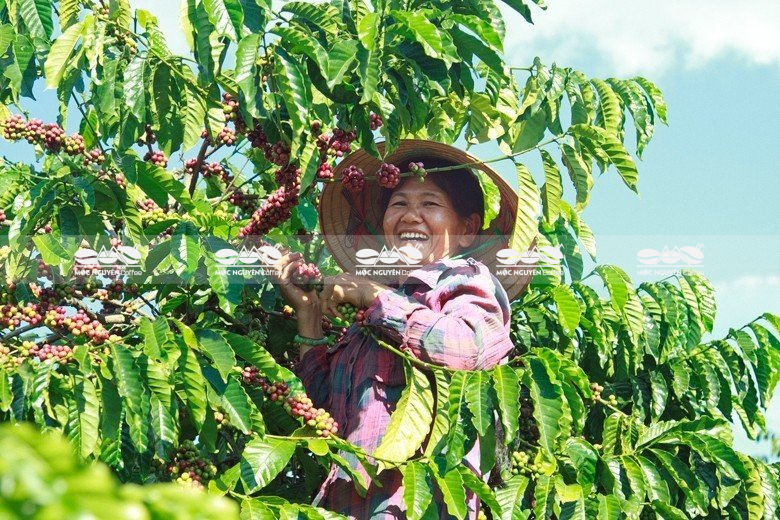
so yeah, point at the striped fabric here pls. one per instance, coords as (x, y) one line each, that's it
(452, 313)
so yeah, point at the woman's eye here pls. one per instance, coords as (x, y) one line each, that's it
(398, 203)
(430, 203)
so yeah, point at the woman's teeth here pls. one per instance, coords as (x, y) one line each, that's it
(413, 237)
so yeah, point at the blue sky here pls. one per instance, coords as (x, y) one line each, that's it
(711, 177)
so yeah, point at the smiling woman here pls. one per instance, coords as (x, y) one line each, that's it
(449, 312)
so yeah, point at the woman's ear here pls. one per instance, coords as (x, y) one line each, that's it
(472, 225)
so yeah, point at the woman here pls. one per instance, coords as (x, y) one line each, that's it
(450, 312)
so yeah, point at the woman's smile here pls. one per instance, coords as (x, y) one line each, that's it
(421, 215)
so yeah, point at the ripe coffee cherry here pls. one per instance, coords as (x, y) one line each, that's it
(229, 107)
(388, 175)
(374, 121)
(278, 153)
(149, 136)
(307, 277)
(353, 179)
(2, 215)
(287, 175)
(316, 126)
(325, 171)
(53, 137)
(73, 145)
(14, 128)
(243, 201)
(276, 209)
(157, 158)
(34, 131)
(61, 353)
(226, 136)
(94, 156)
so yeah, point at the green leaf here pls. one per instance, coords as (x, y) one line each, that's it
(59, 59)
(226, 16)
(235, 402)
(263, 459)
(611, 111)
(194, 385)
(507, 386)
(131, 389)
(525, 228)
(324, 16)
(6, 394)
(479, 402)
(425, 33)
(655, 94)
(157, 183)
(620, 159)
(194, 118)
(341, 59)
(217, 349)
(548, 407)
(616, 285)
(69, 13)
(411, 421)
(568, 308)
(88, 410)
(185, 248)
(37, 17)
(135, 87)
(552, 189)
(490, 195)
(417, 491)
(369, 55)
(481, 489)
(609, 507)
(451, 486)
(510, 497)
(294, 88)
(544, 494)
(579, 173)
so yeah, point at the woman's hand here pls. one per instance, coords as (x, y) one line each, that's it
(305, 303)
(348, 288)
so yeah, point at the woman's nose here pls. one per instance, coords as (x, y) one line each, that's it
(412, 214)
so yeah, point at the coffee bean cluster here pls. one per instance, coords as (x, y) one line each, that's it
(374, 121)
(188, 467)
(276, 209)
(597, 394)
(353, 179)
(418, 168)
(226, 137)
(151, 213)
(49, 135)
(298, 405)
(157, 158)
(521, 466)
(307, 277)
(388, 175)
(59, 353)
(277, 153)
(338, 143)
(11, 316)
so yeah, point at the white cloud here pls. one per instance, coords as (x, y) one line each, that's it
(640, 37)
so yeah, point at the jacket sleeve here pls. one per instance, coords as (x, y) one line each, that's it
(463, 325)
(313, 369)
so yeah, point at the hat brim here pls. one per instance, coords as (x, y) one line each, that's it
(351, 222)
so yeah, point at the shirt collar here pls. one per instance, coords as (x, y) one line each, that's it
(430, 274)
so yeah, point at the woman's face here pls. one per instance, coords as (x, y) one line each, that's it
(420, 214)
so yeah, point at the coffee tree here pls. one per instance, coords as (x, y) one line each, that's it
(616, 402)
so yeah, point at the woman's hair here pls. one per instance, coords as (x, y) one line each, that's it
(461, 186)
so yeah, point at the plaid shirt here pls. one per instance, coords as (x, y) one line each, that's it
(452, 313)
